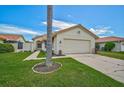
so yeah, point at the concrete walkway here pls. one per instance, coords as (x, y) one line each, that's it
(45, 58)
(35, 54)
(112, 67)
(32, 56)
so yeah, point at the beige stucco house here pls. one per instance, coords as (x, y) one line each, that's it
(18, 42)
(76, 39)
(119, 43)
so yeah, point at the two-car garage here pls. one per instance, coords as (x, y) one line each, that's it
(72, 40)
(76, 46)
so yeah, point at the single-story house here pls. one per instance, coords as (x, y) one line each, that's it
(75, 39)
(18, 42)
(119, 42)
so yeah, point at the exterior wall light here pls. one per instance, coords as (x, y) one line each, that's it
(60, 42)
(78, 32)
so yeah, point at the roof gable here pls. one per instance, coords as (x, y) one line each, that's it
(68, 29)
(13, 37)
(78, 26)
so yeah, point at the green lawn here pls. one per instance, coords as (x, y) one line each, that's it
(42, 54)
(119, 55)
(15, 72)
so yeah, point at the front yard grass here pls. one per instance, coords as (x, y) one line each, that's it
(119, 55)
(41, 54)
(14, 72)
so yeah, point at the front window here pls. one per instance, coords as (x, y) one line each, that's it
(39, 45)
(20, 45)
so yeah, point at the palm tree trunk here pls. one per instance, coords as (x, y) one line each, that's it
(49, 36)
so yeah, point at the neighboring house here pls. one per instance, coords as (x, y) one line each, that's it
(2, 39)
(76, 39)
(119, 42)
(17, 41)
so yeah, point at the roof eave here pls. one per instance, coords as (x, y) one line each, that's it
(66, 29)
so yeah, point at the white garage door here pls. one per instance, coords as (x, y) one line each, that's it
(76, 46)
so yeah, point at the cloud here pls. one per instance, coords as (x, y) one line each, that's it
(102, 36)
(102, 30)
(69, 16)
(5, 28)
(60, 24)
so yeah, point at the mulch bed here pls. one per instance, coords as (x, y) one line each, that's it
(43, 69)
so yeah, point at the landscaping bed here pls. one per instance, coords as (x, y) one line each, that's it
(42, 68)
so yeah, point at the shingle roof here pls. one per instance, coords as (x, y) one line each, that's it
(10, 37)
(108, 39)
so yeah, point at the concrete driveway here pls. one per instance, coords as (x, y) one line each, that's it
(112, 67)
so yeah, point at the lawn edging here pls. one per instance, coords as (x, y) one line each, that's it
(117, 55)
(46, 72)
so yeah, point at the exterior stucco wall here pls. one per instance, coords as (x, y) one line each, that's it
(15, 45)
(35, 43)
(101, 45)
(122, 46)
(73, 34)
(117, 47)
(21, 40)
(27, 46)
(55, 47)
(43, 46)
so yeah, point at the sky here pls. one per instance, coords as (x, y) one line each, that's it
(30, 21)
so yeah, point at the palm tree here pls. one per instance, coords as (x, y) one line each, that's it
(49, 36)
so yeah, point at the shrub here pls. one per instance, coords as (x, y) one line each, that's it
(109, 46)
(4, 48)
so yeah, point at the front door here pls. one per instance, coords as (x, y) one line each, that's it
(39, 45)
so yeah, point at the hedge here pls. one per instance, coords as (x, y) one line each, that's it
(4, 48)
(109, 46)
